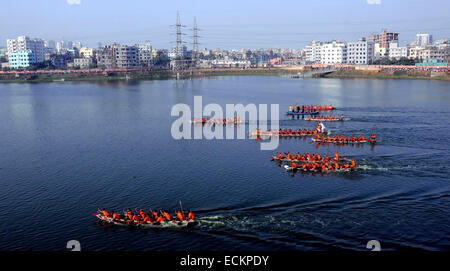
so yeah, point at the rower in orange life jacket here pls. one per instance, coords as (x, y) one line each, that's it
(115, 216)
(167, 216)
(337, 156)
(147, 219)
(160, 219)
(363, 138)
(180, 216)
(191, 215)
(373, 137)
(336, 165)
(135, 218)
(130, 214)
(294, 165)
(105, 213)
(353, 165)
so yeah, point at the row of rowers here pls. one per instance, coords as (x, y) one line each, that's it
(344, 139)
(323, 166)
(307, 157)
(310, 108)
(213, 120)
(317, 131)
(326, 118)
(150, 217)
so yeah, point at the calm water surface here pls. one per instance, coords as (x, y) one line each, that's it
(68, 148)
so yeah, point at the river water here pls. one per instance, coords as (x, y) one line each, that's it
(67, 149)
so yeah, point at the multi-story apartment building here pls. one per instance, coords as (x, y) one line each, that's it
(360, 52)
(26, 43)
(423, 40)
(380, 52)
(334, 52)
(127, 56)
(313, 51)
(145, 54)
(82, 62)
(86, 52)
(440, 54)
(21, 58)
(383, 38)
(106, 57)
(397, 52)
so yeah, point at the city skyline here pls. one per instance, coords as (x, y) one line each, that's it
(253, 25)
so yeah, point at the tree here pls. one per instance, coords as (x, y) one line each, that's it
(161, 60)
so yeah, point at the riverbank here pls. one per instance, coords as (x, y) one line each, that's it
(51, 76)
(394, 74)
(101, 75)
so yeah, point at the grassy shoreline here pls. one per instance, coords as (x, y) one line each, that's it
(164, 75)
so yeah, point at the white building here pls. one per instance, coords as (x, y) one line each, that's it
(360, 52)
(26, 43)
(334, 52)
(397, 52)
(83, 63)
(422, 40)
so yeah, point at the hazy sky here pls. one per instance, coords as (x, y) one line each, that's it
(224, 24)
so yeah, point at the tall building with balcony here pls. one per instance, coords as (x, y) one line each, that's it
(384, 38)
(127, 56)
(360, 52)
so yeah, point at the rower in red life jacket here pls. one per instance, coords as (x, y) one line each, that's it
(373, 137)
(147, 219)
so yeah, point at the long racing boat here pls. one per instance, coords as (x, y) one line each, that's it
(166, 224)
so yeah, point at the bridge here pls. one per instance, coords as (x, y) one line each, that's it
(313, 73)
